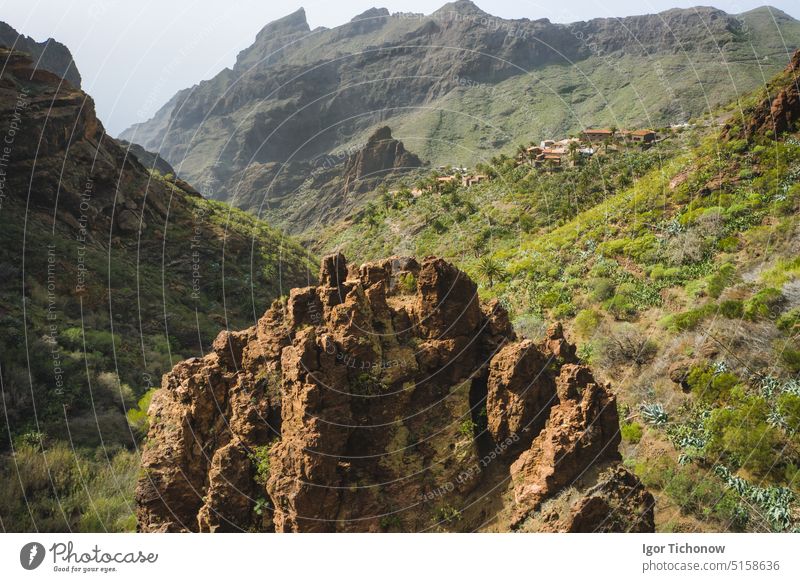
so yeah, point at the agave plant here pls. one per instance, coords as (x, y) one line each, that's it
(775, 501)
(654, 414)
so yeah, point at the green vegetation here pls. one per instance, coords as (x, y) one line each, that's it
(137, 417)
(447, 513)
(47, 486)
(261, 462)
(631, 432)
(467, 428)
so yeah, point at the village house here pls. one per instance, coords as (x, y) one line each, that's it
(550, 158)
(597, 135)
(645, 136)
(472, 180)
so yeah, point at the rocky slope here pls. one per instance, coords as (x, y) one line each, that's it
(49, 55)
(455, 85)
(386, 398)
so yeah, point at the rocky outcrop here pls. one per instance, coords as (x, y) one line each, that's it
(381, 155)
(776, 113)
(49, 55)
(582, 431)
(618, 503)
(387, 397)
(149, 160)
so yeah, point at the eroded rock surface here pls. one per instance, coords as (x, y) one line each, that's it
(385, 398)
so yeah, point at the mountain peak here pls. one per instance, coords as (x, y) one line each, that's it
(273, 38)
(381, 134)
(371, 13)
(462, 8)
(294, 22)
(49, 55)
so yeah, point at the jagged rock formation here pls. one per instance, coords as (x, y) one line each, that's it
(387, 397)
(779, 111)
(462, 82)
(382, 154)
(49, 55)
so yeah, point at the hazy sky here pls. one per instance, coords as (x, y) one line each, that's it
(134, 55)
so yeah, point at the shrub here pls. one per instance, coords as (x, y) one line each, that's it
(447, 513)
(530, 326)
(789, 408)
(720, 280)
(563, 310)
(621, 307)
(586, 322)
(601, 289)
(49, 489)
(688, 320)
(137, 417)
(631, 432)
(731, 309)
(763, 304)
(627, 344)
(695, 492)
(261, 463)
(710, 385)
(790, 321)
(791, 358)
(743, 435)
(467, 428)
(407, 283)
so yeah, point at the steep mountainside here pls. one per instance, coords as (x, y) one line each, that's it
(386, 398)
(454, 85)
(49, 55)
(677, 269)
(108, 274)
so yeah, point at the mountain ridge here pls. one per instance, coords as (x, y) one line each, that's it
(328, 89)
(49, 55)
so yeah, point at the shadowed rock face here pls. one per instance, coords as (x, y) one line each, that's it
(386, 398)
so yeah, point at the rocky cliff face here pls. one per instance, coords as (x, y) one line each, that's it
(462, 82)
(387, 397)
(49, 55)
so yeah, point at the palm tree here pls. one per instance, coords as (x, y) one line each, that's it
(573, 151)
(490, 269)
